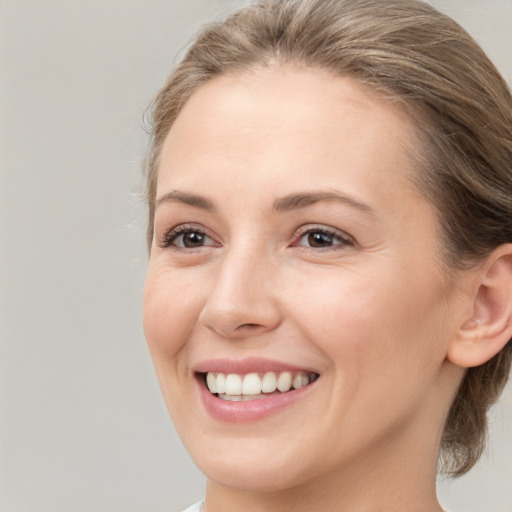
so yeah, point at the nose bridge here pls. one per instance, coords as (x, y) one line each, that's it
(241, 301)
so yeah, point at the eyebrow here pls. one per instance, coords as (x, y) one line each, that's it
(186, 198)
(304, 199)
(284, 204)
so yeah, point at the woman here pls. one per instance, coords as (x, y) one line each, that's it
(329, 294)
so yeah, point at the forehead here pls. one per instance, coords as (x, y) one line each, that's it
(288, 123)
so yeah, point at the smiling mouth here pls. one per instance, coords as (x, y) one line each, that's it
(255, 386)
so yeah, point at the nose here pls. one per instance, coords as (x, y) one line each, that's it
(242, 302)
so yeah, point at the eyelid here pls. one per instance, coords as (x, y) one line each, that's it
(171, 234)
(346, 239)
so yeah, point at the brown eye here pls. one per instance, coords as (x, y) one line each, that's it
(192, 239)
(319, 239)
(324, 238)
(184, 237)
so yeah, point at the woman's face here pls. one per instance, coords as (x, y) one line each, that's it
(290, 242)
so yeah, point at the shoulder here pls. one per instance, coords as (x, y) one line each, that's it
(196, 507)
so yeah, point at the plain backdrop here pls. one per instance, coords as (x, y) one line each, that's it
(83, 427)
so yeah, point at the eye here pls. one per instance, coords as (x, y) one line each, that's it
(322, 238)
(186, 237)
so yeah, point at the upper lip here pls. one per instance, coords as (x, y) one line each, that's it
(247, 365)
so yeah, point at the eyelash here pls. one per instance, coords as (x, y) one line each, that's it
(343, 239)
(169, 239)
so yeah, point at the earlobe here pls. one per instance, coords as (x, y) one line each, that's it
(489, 328)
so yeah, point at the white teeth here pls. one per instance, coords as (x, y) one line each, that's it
(211, 382)
(269, 382)
(284, 382)
(232, 398)
(300, 381)
(297, 382)
(241, 398)
(220, 383)
(252, 386)
(233, 384)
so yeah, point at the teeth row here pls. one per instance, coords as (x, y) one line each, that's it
(233, 384)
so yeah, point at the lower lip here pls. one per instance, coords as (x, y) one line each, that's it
(251, 410)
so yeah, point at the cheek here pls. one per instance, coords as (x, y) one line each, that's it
(366, 321)
(170, 311)
(381, 338)
(340, 308)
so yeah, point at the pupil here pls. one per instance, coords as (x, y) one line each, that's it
(319, 239)
(193, 239)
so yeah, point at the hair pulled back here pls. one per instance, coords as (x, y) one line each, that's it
(460, 104)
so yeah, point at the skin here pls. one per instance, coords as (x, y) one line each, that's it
(374, 311)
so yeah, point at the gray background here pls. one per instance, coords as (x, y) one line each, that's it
(83, 426)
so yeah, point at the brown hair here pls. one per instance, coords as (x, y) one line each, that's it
(456, 97)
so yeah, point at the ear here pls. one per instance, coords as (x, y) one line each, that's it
(489, 327)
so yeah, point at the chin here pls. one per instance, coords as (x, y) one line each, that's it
(263, 479)
(255, 470)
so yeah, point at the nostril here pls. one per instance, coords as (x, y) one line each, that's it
(249, 329)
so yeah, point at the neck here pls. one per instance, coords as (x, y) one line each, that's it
(374, 496)
(399, 474)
